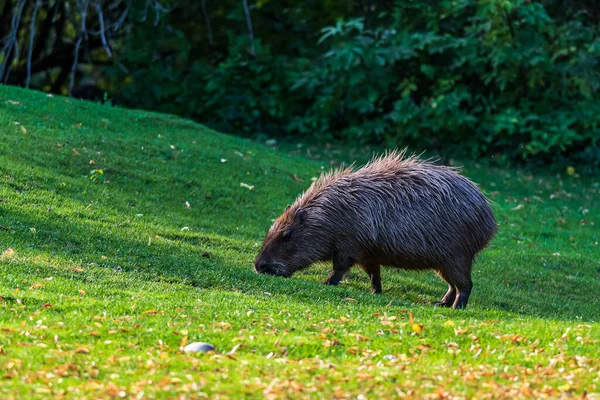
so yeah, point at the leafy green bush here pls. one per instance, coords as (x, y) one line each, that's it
(517, 78)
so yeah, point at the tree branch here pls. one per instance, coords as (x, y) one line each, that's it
(207, 22)
(82, 33)
(38, 3)
(102, 31)
(11, 43)
(249, 22)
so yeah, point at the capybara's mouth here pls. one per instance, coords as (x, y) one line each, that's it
(274, 272)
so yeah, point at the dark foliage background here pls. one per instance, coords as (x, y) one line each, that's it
(518, 79)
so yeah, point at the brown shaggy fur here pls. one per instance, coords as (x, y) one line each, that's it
(397, 211)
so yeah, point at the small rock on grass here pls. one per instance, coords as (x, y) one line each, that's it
(198, 347)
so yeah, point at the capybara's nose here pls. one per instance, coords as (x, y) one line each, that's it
(260, 266)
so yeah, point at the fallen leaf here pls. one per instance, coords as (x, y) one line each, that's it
(418, 328)
(75, 269)
(82, 350)
(296, 178)
(519, 207)
(81, 292)
(74, 150)
(570, 171)
(92, 162)
(151, 312)
(223, 160)
(36, 286)
(350, 299)
(8, 253)
(448, 323)
(183, 341)
(13, 102)
(187, 204)
(23, 129)
(47, 305)
(247, 186)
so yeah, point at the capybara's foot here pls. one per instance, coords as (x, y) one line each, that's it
(331, 282)
(375, 290)
(462, 299)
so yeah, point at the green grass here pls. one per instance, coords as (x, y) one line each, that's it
(105, 280)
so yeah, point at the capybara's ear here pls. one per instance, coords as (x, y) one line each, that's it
(287, 207)
(300, 215)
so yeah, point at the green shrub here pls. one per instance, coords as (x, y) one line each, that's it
(518, 78)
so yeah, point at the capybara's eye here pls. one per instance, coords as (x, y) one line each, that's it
(286, 236)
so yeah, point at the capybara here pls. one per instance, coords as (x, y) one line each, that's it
(397, 211)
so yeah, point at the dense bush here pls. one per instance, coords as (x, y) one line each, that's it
(514, 78)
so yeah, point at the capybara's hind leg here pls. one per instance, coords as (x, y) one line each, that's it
(458, 277)
(374, 272)
(464, 291)
(450, 296)
(460, 274)
(341, 265)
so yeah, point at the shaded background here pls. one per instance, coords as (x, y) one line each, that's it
(516, 79)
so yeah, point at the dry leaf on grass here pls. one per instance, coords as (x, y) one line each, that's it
(8, 253)
(249, 187)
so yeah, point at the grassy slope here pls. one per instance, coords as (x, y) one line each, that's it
(106, 282)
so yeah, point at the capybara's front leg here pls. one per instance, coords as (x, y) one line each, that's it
(374, 272)
(449, 297)
(341, 265)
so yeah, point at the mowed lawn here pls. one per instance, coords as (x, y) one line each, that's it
(104, 276)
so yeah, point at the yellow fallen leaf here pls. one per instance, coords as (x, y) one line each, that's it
(82, 350)
(23, 129)
(81, 292)
(8, 253)
(418, 328)
(448, 323)
(37, 286)
(570, 171)
(350, 299)
(249, 187)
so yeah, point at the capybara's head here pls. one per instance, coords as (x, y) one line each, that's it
(289, 246)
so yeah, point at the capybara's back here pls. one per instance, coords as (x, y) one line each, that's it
(396, 211)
